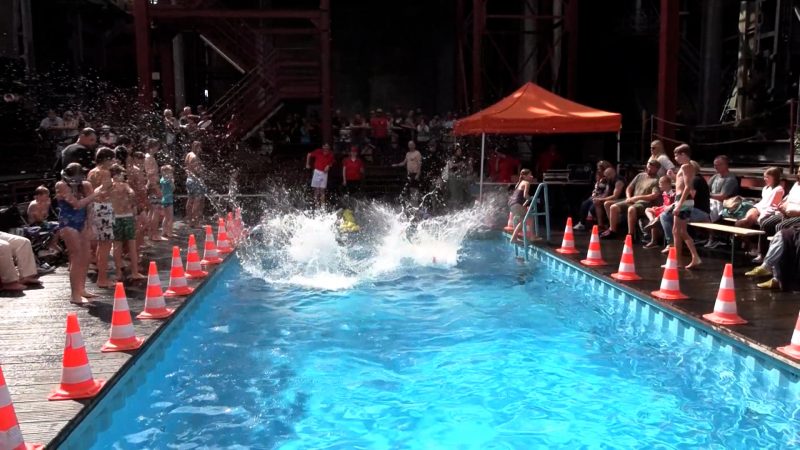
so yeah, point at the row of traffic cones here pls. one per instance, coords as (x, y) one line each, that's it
(76, 378)
(77, 381)
(725, 310)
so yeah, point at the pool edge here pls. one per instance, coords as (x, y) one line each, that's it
(762, 353)
(150, 345)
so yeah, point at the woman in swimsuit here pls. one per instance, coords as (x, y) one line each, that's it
(74, 194)
(517, 199)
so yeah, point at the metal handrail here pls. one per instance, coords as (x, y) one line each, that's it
(533, 211)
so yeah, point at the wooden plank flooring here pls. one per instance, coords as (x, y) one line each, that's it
(32, 326)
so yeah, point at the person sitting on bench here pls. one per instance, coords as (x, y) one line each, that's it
(782, 261)
(641, 193)
(787, 215)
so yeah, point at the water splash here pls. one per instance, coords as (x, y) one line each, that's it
(308, 250)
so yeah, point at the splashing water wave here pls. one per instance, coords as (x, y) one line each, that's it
(308, 250)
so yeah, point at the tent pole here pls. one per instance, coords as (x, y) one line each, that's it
(619, 152)
(483, 155)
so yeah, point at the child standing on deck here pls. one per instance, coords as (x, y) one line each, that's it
(123, 199)
(167, 183)
(74, 194)
(652, 213)
(103, 217)
(153, 191)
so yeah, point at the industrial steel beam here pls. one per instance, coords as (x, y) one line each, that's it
(325, 71)
(141, 27)
(179, 13)
(668, 47)
(478, 28)
(572, 48)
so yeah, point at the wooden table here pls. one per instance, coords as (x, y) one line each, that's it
(733, 231)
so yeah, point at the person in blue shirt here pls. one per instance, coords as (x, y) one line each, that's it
(167, 183)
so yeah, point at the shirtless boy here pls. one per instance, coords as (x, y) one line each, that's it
(138, 182)
(195, 188)
(123, 199)
(153, 190)
(103, 217)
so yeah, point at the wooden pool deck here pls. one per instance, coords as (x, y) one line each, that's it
(32, 333)
(771, 315)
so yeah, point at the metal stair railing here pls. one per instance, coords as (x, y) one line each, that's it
(535, 213)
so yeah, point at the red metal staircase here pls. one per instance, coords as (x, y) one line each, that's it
(277, 62)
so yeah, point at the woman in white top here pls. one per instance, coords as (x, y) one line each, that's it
(771, 197)
(657, 152)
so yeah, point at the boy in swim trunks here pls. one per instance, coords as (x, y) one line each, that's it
(123, 198)
(103, 217)
(138, 182)
(153, 191)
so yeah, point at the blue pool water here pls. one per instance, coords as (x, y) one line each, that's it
(489, 354)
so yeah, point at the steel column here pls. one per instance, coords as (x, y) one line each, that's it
(325, 71)
(167, 70)
(462, 104)
(668, 47)
(478, 28)
(572, 48)
(141, 27)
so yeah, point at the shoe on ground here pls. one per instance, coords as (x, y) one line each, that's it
(44, 253)
(759, 271)
(44, 269)
(579, 227)
(771, 284)
(714, 244)
(758, 259)
(608, 234)
(701, 242)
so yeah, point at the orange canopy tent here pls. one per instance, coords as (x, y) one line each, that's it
(534, 110)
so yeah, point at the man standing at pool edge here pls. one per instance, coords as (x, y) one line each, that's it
(323, 160)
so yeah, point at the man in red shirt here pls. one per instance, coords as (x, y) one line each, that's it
(507, 167)
(352, 172)
(323, 161)
(379, 125)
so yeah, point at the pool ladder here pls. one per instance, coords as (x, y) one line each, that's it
(535, 213)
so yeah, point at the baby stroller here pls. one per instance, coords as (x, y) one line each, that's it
(46, 252)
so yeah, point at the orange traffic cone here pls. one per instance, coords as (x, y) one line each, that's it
(594, 256)
(529, 235)
(123, 337)
(193, 268)
(210, 256)
(670, 286)
(568, 243)
(627, 269)
(154, 305)
(725, 307)
(76, 374)
(10, 434)
(177, 279)
(223, 246)
(793, 349)
(510, 224)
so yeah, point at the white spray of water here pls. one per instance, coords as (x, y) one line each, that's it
(308, 250)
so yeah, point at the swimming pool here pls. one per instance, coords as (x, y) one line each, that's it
(490, 353)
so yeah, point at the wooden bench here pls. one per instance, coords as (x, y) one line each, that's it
(732, 231)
